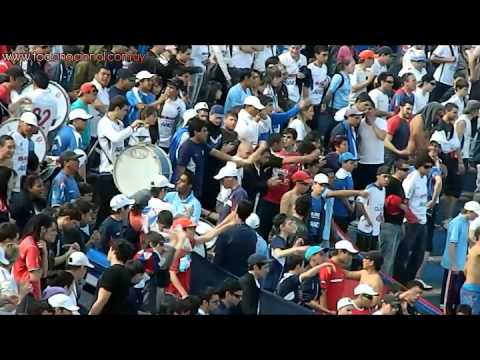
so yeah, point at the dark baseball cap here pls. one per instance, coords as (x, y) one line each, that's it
(257, 259)
(217, 110)
(384, 50)
(125, 74)
(69, 155)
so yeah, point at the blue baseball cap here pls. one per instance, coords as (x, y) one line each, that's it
(217, 110)
(312, 250)
(346, 156)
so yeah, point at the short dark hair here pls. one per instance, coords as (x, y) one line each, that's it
(244, 209)
(4, 139)
(190, 177)
(337, 140)
(60, 278)
(183, 48)
(85, 188)
(40, 79)
(279, 220)
(384, 76)
(271, 61)
(231, 285)
(265, 100)
(70, 210)
(302, 205)
(405, 77)
(30, 180)
(274, 139)
(8, 231)
(245, 75)
(364, 97)
(122, 249)
(406, 101)
(83, 206)
(293, 261)
(118, 101)
(207, 294)
(154, 239)
(292, 132)
(134, 267)
(477, 233)
(196, 125)
(318, 49)
(461, 83)
(148, 111)
(399, 163)
(165, 218)
(102, 66)
(427, 78)
(15, 72)
(305, 147)
(450, 106)
(35, 224)
(464, 309)
(313, 136)
(422, 159)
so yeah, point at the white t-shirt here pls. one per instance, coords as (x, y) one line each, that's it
(374, 207)
(445, 72)
(300, 127)
(240, 59)
(262, 56)
(158, 205)
(421, 100)
(170, 111)
(359, 75)
(224, 50)
(320, 81)
(199, 54)
(247, 128)
(467, 136)
(292, 66)
(112, 138)
(138, 133)
(371, 149)
(20, 158)
(415, 187)
(380, 99)
(104, 98)
(8, 287)
(378, 68)
(45, 106)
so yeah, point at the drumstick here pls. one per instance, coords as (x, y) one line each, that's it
(92, 149)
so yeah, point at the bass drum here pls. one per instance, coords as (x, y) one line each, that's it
(202, 228)
(39, 139)
(62, 98)
(136, 167)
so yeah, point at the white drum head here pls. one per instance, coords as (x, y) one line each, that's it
(137, 166)
(39, 139)
(63, 102)
(202, 228)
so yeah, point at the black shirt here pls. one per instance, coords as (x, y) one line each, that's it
(22, 208)
(233, 248)
(310, 289)
(394, 187)
(110, 229)
(115, 91)
(116, 280)
(289, 288)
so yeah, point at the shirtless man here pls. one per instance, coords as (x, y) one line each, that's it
(370, 274)
(470, 291)
(302, 182)
(421, 122)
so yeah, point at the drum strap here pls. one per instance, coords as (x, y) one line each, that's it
(104, 152)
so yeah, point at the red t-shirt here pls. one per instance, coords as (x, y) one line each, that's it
(5, 65)
(356, 311)
(183, 276)
(5, 95)
(29, 259)
(332, 284)
(275, 193)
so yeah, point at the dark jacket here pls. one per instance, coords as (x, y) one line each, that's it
(22, 208)
(251, 294)
(233, 248)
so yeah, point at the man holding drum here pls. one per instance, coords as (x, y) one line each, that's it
(111, 136)
(43, 103)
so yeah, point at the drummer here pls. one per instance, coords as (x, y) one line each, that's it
(143, 133)
(27, 126)
(69, 137)
(43, 102)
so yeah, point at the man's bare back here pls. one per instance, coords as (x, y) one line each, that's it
(472, 267)
(374, 280)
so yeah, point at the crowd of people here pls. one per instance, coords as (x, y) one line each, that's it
(314, 165)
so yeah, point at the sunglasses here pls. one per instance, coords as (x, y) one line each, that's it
(237, 295)
(404, 169)
(433, 83)
(389, 82)
(427, 166)
(369, 297)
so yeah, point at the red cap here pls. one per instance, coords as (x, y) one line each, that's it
(366, 54)
(301, 176)
(184, 222)
(87, 88)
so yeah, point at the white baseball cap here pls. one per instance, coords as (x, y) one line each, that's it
(226, 171)
(253, 101)
(120, 201)
(189, 115)
(161, 181)
(79, 114)
(472, 206)
(346, 245)
(62, 301)
(344, 302)
(364, 289)
(321, 179)
(3, 259)
(29, 118)
(144, 75)
(253, 221)
(78, 258)
(201, 106)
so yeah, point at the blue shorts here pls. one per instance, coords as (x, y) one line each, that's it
(470, 295)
